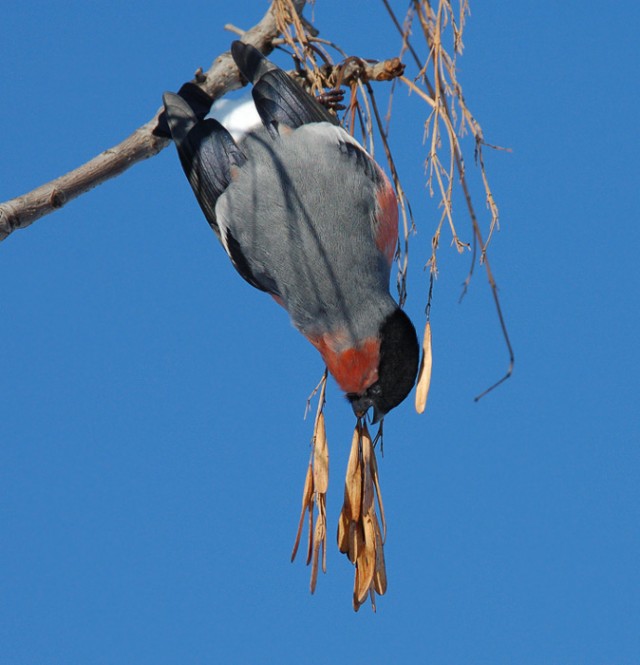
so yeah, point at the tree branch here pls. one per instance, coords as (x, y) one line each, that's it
(222, 77)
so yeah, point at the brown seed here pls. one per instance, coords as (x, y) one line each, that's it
(356, 541)
(307, 499)
(353, 480)
(343, 532)
(356, 582)
(369, 529)
(324, 554)
(319, 535)
(322, 509)
(310, 534)
(376, 483)
(320, 457)
(424, 374)
(380, 575)
(367, 480)
(366, 562)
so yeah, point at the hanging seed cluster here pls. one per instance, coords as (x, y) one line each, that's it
(314, 495)
(359, 533)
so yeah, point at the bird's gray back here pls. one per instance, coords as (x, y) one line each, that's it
(302, 212)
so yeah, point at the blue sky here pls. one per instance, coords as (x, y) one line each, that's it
(152, 442)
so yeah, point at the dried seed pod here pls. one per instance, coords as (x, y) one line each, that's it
(356, 583)
(372, 597)
(322, 511)
(353, 479)
(376, 483)
(324, 549)
(369, 530)
(424, 374)
(380, 575)
(343, 532)
(319, 536)
(366, 562)
(310, 534)
(367, 480)
(320, 457)
(356, 541)
(307, 504)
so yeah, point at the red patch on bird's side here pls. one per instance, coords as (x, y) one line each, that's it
(387, 218)
(356, 368)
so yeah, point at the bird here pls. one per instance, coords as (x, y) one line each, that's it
(306, 215)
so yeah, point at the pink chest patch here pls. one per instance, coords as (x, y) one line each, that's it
(356, 368)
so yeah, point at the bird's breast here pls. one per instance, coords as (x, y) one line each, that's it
(355, 368)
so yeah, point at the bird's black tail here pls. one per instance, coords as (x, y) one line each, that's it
(250, 61)
(277, 97)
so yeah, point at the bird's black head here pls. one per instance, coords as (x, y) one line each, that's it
(397, 369)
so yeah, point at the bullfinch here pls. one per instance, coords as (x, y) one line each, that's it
(306, 215)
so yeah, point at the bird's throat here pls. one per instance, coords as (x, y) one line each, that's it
(354, 368)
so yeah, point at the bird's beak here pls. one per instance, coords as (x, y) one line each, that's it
(377, 415)
(360, 406)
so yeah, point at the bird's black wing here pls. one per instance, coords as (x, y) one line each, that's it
(207, 153)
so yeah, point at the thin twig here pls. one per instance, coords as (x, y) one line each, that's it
(445, 87)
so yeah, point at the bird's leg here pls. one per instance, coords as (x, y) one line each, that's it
(332, 99)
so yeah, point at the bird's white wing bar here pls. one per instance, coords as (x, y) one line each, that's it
(238, 116)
